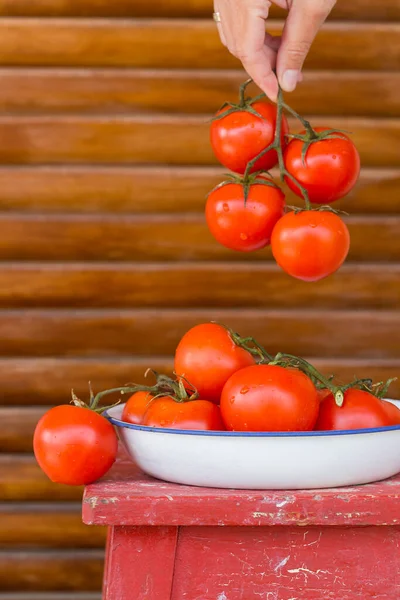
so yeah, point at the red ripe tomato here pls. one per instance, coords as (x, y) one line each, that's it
(207, 356)
(322, 393)
(331, 168)
(360, 410)
(269, 398)
(136, 406)
(240, 136)
(74, 445)
(310, 245)
(392, 411)
(244, 226)
(193, 414)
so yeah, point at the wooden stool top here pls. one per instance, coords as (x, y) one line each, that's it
(126, 496)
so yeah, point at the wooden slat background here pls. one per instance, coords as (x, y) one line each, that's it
(105, 259)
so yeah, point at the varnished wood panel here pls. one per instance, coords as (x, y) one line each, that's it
(21, 480)
(195, 285)
(180, 44)
(125, 189)
(16, 430)
(365, 10)
(355, 334)
(161, 238)
(47, 526)
(48, 381)
(79, 91)
(167, 139)
(47, 570)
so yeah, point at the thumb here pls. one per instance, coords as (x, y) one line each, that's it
(302, 24)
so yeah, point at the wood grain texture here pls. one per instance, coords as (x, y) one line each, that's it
(16, 431)
(367, 10)
(152, 190)
(48, 381)
(125, 334)
(116, 91)
(159, 238)
(80, 285)
(167, 139)
(47, 526)
(21, 480)
(51, 570)
(182, 43)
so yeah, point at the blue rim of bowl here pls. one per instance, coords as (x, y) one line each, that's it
(248, 434)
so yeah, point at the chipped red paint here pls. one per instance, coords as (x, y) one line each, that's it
(171, 542)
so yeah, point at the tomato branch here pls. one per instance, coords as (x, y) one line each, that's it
(277, 146)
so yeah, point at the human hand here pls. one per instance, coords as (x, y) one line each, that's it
(242, 30)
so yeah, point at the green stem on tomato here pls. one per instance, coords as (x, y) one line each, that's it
(242, 91)
(311, 371)
(277, 146)
(311, 134)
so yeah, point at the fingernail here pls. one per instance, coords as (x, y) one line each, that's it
(289, 80)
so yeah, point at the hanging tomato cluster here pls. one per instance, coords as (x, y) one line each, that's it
(247, 211)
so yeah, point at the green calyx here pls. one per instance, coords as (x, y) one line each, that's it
(245, 104)
(311, 137)
(246, 181)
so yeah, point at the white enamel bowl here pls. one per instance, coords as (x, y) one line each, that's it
(294, 460)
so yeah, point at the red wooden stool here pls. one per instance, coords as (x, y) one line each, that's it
(172, 542)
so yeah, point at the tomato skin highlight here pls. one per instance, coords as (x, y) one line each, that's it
(310, 245)
(207, 356)
(360, 410)
(331, 169)
(136, 406)
(241, 226)
(269, 398)
(193, 414)
(73, 445)
(239, 137)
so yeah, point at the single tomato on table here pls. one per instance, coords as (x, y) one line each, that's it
(242, 225)
(328, 171)
(207, 356)
(190, 414)
(136, 406)
(241, 135)
(360, 410)
(269, 398)
(310, 244)
(74, 445)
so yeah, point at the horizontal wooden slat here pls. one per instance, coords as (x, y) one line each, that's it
(47, 526)
(168, 139)
(161, 238)
(43, 91)
(22, 480)
(366, 10)
(362, 334)
(180, 44)
(125, 189)
(58, 570)
(48, 381)
(195, 285)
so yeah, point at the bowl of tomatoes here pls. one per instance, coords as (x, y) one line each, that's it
(262, 460)
(235, 416)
